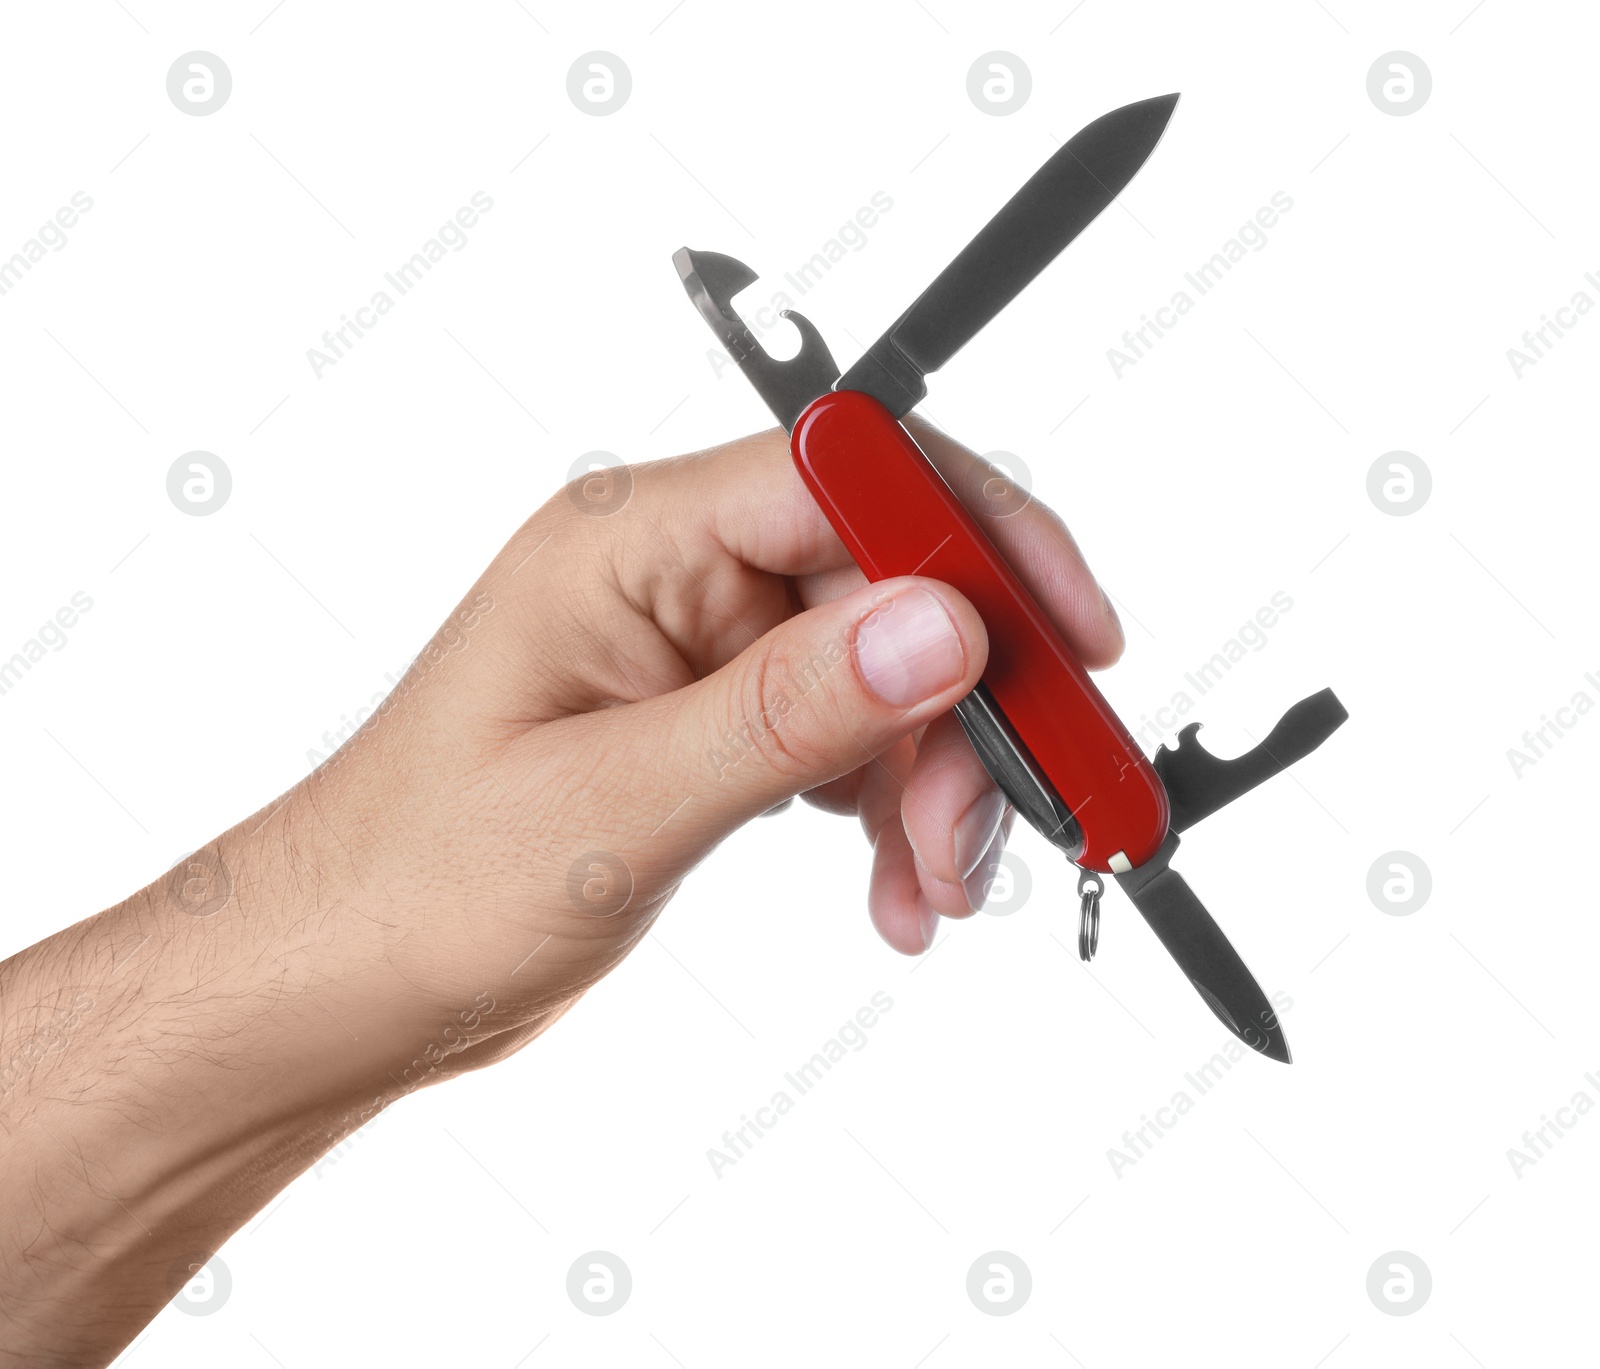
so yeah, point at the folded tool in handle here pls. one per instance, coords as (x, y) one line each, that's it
(895, 513)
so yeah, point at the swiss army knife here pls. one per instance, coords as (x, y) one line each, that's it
(1043, 731)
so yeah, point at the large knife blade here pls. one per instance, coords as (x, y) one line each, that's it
(1204, 953)
(1057, 203)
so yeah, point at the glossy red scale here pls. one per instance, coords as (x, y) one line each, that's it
(897, 516)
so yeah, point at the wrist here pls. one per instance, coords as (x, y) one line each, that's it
(166, 1067)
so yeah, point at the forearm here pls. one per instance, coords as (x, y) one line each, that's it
(166, 1067)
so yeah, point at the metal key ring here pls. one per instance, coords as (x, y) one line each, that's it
(1090, 887)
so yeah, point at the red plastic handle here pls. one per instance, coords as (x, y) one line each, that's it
(898, 517)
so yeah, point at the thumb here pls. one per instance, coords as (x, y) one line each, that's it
(821, 694)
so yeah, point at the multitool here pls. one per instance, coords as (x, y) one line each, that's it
(1052, 743)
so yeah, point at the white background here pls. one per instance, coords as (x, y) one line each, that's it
(1227, 465)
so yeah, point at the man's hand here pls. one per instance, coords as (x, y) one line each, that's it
(657, 656)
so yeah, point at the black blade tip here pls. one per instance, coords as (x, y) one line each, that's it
(1264, 1035)
(1118, 143)
(1159, 107)
(1265, 1040)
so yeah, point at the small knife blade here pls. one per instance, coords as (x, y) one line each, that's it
(1204, 953)
(1057, 203)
